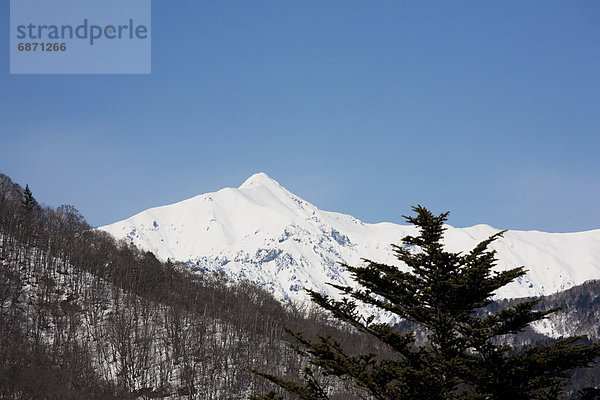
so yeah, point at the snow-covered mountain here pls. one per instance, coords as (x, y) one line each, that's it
(263, 233)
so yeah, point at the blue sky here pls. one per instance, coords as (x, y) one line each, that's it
(488, 109)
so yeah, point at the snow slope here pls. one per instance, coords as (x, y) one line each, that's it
(262, 232)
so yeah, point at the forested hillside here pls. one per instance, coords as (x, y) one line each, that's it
(85, 317)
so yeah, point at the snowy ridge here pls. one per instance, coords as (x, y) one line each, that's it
(263, 233)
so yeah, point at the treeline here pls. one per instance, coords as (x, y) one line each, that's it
(84, 316)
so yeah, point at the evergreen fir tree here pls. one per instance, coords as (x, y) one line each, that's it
(30, 213)
(30, 204)
(446, 294)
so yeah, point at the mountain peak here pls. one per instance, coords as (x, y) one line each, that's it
(257, 180)
(263, 233)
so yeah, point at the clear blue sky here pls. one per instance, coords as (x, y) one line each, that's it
(488, 109)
